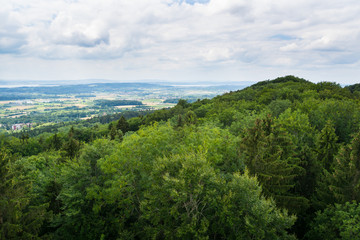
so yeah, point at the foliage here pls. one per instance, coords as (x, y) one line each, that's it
(341, 221)
(343, 181)
(270, 155)
(231, 167)
(189, 200)
(19, 218)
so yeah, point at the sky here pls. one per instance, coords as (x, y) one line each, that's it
(180, 40)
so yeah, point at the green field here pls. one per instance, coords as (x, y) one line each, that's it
(39, 105)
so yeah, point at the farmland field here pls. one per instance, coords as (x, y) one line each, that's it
(53, 104)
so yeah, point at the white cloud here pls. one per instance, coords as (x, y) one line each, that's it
(153, 36)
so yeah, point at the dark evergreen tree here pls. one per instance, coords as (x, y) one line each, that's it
(269, 155)
(71, 146)
(179, 121)
(110, 126)
(345, 179)
(56, 142)
(71, 132)
(342, 183)
(122, 125)
(19, 219)
(327, 146)
(112, 132)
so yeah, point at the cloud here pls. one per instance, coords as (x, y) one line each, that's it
(11, 37)
(67, 31)
(190, 34)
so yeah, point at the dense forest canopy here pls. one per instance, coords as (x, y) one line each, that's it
(277, 160)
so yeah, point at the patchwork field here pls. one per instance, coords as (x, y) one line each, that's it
(52, 104)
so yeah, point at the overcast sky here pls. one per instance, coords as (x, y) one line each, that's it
(180, 40)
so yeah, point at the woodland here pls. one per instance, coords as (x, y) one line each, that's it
(277, 160)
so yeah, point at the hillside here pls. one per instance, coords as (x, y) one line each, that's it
(276, 160)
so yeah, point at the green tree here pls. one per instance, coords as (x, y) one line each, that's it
(327, 146)
(56, 142)
(342, 113)
(81, 179)
(113, 131)
(296, 124)
(19, 219)
(270, 155)
(179, 121)
(122, 125)
(71, 148)
(190, 118)
(226, 117)
(279, 106)
(188, 199)
(344, 181)
(341, 221)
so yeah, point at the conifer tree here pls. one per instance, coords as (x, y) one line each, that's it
(179, 121)
(55, 142)
(113, 132)
(327, 146)
(71, 132)
(342, 183)
(345, 179)
(110, 126)
(72, 146)
(269, 155)
(122, 125)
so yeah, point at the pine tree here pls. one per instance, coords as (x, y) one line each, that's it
(113, 132)
(327, 146)
(122, 125)
(269, 155)
(110, 126)
(72, 146)
(71, 132)
(55, 142)
(344, 182)
(179, 121)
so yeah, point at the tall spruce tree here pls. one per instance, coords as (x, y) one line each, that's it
(56, 142)
(345, 179)
(71, 146)
(342, 183)
(269, 154)
(122, 125)
(112, 132)
(327, 146)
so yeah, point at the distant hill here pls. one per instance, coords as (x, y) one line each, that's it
(82, 88)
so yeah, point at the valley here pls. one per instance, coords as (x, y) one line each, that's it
(41, 104)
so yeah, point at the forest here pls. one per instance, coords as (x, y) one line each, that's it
(277, 160)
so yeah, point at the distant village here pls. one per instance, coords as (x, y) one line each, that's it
(20, 126)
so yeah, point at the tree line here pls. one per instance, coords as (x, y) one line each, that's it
(277, 160)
